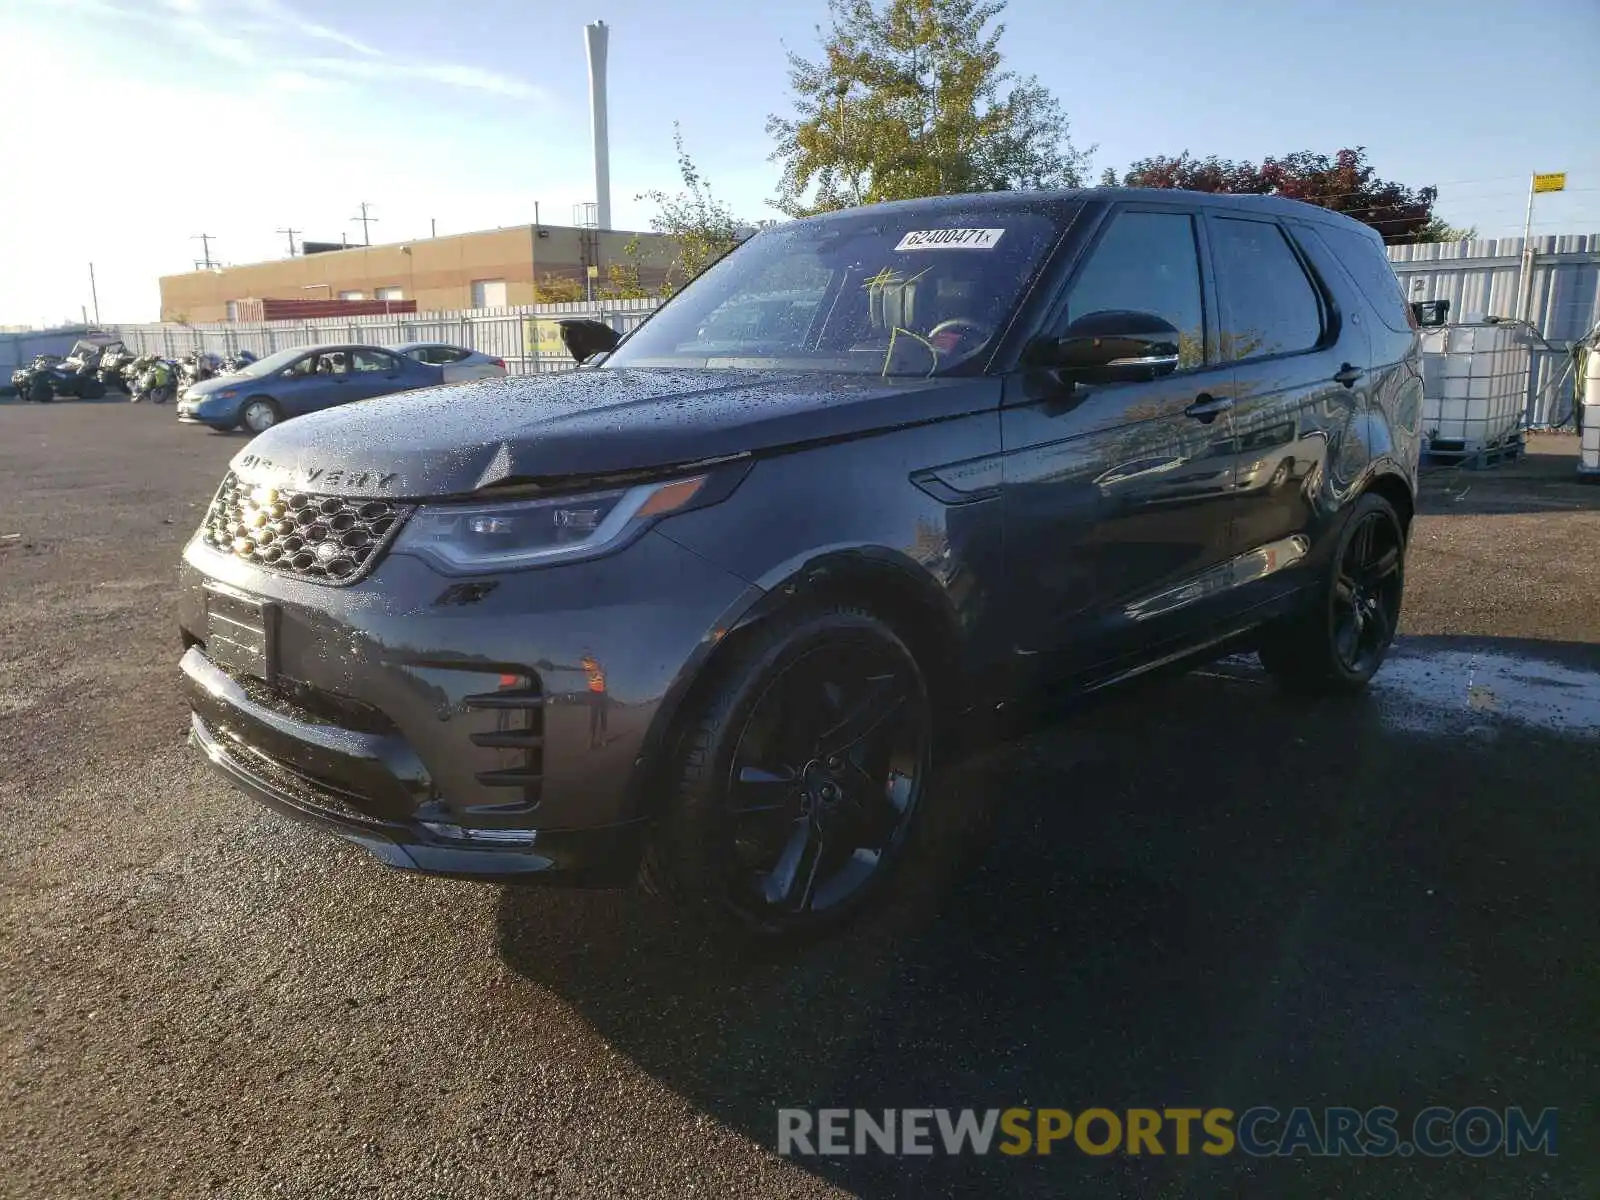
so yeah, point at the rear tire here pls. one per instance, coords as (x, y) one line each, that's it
(1337, 642)
(816, 734)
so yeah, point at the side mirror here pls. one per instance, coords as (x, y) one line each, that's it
(585, 338)
(1430, 313)
(1114, 346)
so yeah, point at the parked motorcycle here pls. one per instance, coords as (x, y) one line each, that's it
(197, 365)
(235, 363)
(22, 378)
(155, 380)
(114, 361)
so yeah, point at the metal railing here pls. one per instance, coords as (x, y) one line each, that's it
(526, 336)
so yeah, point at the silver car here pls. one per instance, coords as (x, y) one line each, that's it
(459, 364)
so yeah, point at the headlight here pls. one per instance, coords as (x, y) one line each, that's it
(470, 539)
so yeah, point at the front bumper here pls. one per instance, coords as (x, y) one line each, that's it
(199, 412)
(454, 731)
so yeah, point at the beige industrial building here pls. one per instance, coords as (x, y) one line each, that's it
(489, 269)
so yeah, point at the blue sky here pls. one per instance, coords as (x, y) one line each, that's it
(257, 114)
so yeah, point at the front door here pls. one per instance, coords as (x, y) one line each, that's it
(1116, 496)
(373, 373)
(1302, 366)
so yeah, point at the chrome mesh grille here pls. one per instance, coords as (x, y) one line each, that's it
(326, 539)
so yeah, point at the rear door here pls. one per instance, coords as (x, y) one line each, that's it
(1116, 495)
(1301, 364)
(373, 373)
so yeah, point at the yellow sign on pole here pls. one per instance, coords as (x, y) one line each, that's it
(594, 271)
(544, 339)
(1555, 181)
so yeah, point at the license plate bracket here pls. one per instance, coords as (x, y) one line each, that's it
(241, 633)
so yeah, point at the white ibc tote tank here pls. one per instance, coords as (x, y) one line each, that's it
(1474, 385)
(1589, 456)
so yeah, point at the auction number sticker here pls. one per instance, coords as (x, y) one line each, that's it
(950, 239)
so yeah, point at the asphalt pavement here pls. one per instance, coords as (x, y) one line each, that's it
(1198, 892)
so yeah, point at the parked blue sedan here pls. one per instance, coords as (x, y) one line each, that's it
(305, 379)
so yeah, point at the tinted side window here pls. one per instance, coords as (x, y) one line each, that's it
(1268, 304)
(371, 360)
(1364, 258)
(1146, 262)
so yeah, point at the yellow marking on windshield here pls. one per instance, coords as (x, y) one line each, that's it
(889, 277)
(888, 355)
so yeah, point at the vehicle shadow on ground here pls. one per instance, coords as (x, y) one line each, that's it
(1200, 893)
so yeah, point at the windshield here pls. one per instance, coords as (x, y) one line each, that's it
(872, 294)
(271, 363)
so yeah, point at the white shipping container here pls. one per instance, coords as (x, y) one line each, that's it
(1474, 386)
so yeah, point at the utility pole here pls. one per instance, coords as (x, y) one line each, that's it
(433, 227)
(205, 248)
(291, 231)
(94, 294)
(366, 234)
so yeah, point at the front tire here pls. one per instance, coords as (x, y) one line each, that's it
(40, 391)
(797, 778)
(259, 414)
(1340, 639)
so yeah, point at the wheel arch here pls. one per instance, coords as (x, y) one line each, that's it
(878, 580)
(1396, 489)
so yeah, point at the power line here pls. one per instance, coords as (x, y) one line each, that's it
(205, 248)
(366, 237)
(291, 231)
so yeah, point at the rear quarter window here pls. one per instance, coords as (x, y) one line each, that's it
(1368, 265)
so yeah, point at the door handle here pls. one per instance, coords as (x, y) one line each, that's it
(1206, 407)
(1348, 375)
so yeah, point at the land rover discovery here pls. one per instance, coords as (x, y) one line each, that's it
(704, 608)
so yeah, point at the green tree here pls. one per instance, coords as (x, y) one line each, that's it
(1437, 230)
(909, 99)
(557, 289)
(697, 226)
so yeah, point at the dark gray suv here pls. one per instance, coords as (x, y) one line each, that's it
(707, 607)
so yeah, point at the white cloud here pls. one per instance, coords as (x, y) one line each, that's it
(284, 16)
(450, 74)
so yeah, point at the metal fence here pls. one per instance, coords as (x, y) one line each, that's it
(526, 336)
(1479, 277)
(1485, 277)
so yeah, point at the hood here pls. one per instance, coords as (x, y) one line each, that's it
(457, 440)
(201, 388)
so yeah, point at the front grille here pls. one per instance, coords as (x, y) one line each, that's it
(326, 539)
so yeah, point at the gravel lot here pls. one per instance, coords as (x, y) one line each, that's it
(1197, 892)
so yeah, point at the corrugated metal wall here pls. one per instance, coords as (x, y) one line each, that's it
(1481, 277)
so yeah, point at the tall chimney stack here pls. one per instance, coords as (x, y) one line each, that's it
(595, 37)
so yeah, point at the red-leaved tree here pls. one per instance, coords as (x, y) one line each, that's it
(1345, 183)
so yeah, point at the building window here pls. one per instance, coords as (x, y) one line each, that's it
(352, 295)
(488, 293)
(389, 293)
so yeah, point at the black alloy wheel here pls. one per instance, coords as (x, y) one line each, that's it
(1366, 592)
(802, 777)
(1341, 639)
